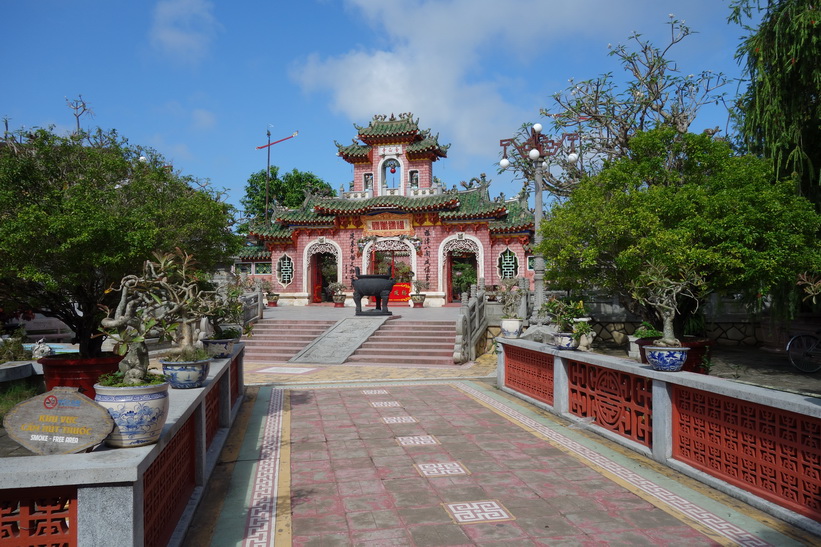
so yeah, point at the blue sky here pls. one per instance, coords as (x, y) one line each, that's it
(201, 81)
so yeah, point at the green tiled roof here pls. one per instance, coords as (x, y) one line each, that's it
(474, 203)
(271, 233)
(354, 153)
(382, 128)
(254, 252)
(519, 219)
(428, 145)
(336, 206)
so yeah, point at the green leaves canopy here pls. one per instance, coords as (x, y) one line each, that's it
(78, 213)
(681, 201)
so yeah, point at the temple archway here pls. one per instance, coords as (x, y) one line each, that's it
(322, 258)
(461, 264)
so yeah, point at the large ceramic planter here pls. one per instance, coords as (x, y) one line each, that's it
(139, 413)
(565, 340)
(272, 298)
(666, 359)
(511, 328)
(698, 349)
(339, 300)
(186, 374)
(418, 300)
(70, 370)
(219, 349)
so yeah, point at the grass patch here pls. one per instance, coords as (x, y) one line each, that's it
(18, 391)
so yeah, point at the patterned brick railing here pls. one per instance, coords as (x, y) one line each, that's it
(617, 401)
(760, 445)
(68, 500)
(773, 453)
(38, 516)
(529, 372)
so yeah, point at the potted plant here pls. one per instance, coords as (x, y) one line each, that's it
(642, 336)
(338, 293)
(510, 296)
(271, 297)
(566, 316)
(136, 399)
(418, 298)
(101, 206)
(660, 288)
(224, 319)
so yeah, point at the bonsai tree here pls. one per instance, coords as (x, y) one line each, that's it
(337, 288)
(565, 315)
(419, 285)
(170, 295)
(81, 212)
(661, 289)
(510, 295)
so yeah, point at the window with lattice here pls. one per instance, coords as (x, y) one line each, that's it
(508, 264)
(262, 268)
(243, 268)
(285, 270)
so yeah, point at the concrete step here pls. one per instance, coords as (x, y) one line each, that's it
(394, 360)
(277, 340)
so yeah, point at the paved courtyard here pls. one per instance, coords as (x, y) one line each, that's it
(448, 461)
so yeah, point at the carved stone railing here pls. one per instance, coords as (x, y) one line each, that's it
(471, 324)
(759, 445)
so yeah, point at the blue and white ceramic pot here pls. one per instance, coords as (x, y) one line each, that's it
(219, 349)
(511, 328)
(139, 413)
(186, 374)
(666, 359)
(565, 340)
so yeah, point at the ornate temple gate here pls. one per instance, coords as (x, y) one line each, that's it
(457, 251)
(320, 254)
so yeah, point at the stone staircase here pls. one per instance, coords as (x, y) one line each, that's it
(408, 343)
(277, 340)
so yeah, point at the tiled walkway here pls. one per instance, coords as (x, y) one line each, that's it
(454, 463)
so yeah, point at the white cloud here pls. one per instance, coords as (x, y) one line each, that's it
(184, 29)
(203, 119)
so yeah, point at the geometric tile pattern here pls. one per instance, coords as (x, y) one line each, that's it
(261, 524)
(417, 440)
(471, 512)
(385, 404)
(698, 514)
(374, 391)
(444, 469)
(399, 420)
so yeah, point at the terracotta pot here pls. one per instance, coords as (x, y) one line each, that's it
(69, 370)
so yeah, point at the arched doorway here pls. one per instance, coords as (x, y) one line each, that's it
(323, 269)
(460, 267)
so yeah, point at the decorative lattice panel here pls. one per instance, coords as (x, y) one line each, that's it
(285, 270)
(617, 401)
(212, 414)
(467, 246)
(508, 264)
(168, 484)
(38, 516)
(529, 372)
(773, 453)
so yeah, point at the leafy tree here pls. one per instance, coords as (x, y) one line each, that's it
(606, 114)
(287, 191)
(681, 202)
(78, 213)
(780, 112)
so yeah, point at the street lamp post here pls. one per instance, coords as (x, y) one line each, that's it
(268, 170)
(537, 148)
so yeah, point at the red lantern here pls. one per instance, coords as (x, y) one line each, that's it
(393, 169)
